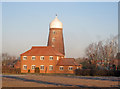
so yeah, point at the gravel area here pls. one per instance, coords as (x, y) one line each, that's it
(53, 81)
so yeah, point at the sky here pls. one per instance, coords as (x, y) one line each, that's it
(26, 24)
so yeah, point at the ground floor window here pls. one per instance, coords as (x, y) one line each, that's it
(50, 67)
(70, 68)
(33, 67)
(24, 67)
(41, 67)
(61, 68)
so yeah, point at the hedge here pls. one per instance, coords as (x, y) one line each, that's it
(90, 72)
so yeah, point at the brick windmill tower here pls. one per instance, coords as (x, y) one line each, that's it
(56, 35)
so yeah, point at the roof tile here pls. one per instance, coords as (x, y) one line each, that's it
(67, 62)
(42, 51)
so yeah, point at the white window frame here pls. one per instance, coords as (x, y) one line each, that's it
(61, 68)
(70, 68)
(42, 66)
(24, 58)
(42, 57)
(31, 67)
(50, 66)
(32, 57)
(53, 39)
(50, 57)
(57, 58)
(24, 68)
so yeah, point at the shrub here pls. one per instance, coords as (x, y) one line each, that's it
(90, 72)
(28, 70)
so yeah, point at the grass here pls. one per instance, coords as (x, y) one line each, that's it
(47, 74)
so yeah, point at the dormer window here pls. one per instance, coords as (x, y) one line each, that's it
(33, 57)
(24, 57)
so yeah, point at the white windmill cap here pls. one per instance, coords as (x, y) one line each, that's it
(56, 23)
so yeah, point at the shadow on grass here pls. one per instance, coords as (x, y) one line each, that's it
(42, 82)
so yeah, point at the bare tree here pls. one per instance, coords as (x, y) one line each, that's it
(103, 50)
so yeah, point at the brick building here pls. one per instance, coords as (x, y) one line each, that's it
(50, 58)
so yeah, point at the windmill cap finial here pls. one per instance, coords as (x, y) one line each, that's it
(56, 23)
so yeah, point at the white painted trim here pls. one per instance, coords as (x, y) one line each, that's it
(23, 67)
(69, 67)
(23, 58)
(50, 56)
(57, 58)
(40, 67)
(32, 57)
(31, 67)
(41, 57)
(61, 66)
(49, 67)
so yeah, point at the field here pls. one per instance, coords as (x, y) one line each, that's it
(32, 80)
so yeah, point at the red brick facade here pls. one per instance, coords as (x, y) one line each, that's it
(56, 39)
(38, 57)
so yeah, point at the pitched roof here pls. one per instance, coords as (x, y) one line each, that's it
(42, 51)
(67, 62)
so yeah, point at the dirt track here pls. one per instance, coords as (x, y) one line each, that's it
(54, 81)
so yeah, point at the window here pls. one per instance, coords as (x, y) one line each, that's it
(53, 39)
(24, 57)
(24, 67)
(61, 68)
(41, 67)
(33, 57)
(53, 46)
(70, 68)
(57, 58)
(42, 58)
(51, 57)
(33, 67)
(53, 31)
(50, 67)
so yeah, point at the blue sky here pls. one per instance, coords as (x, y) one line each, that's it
(27, 23)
